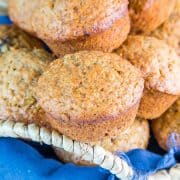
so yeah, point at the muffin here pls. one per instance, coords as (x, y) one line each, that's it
(70, 26)
(160, 67)
(168, 123)
(147, 15)
(136, 136)
(19, 72)
(177, 7)
(169, 31)
(11, 37)
(90, 95)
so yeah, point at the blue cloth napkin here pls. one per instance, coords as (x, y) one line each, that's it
(20, 161)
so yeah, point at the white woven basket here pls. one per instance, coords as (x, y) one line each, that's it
(93, 154)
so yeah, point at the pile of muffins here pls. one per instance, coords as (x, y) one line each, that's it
(111, 67)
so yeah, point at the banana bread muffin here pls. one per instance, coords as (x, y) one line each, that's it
(11, 37)
(168, 123)
(169, 31)
(160, 67)
(69, 26)
(19, 72)
(136, 136)
(147, 15)
(90, 95)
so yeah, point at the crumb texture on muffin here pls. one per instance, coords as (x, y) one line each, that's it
(86, 86)
(70, 19)
(19, 72)
(169, 31)
(147, 15)
(72, 26)
(158, 62)
(168, 123)
(90, 95)
(11, 37)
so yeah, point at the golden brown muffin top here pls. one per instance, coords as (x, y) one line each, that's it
(88, 86)
(159, 63)
(147, 15)
(168, 123)
(169, 31)
(66, 19)
(19, 72)
(13, 37)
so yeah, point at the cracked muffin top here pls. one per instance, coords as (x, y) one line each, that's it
(19, 72)
(159, 63)
(13, 37)
(64, 20)
(89, 85)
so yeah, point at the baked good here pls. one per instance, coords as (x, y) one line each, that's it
(90, 95)
(168, 123)
(160, 67)
(177, 7)
(147, 15)
(70, 26)
(19, 72)
(136, 136)
(169, 31)
(13, 37)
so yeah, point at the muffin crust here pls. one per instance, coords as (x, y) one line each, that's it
(105, 41)
(19, 72)
(154, 103)
(70, 26)
(95, 130)
(169, 31)
(71, 19)
(147, 15)
(11, 37)
(160, 67)
(89, 87)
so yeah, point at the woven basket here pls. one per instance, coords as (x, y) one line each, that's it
(93, 154)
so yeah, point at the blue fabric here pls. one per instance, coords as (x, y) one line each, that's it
(146, 163)
(4, 20)
(20, 161)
